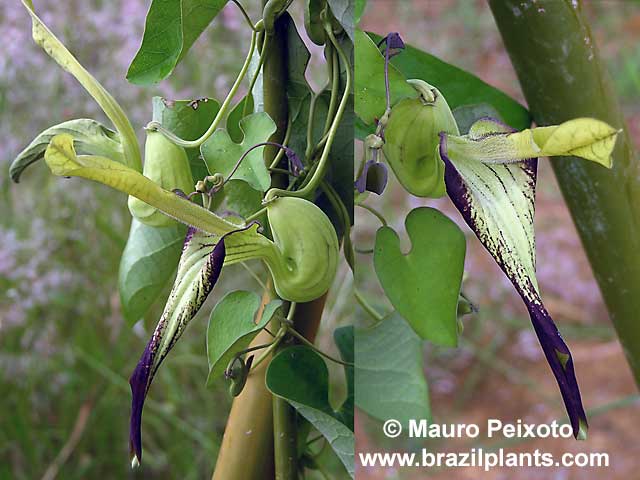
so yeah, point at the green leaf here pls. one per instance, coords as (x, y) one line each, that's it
(341, 439)
(146, 266)
(233, 120)
(458, 86)
(89, 138)
(390, 381)
(187, 119)
(58, 52)
(221, 153)
(370, 96)
(313, 21)
(360, 6)
(467, 115)
(343, 10)
(300, 376)
(172, 26)
(238, 198)
(344, 338)
(232, 326)
(424, 285)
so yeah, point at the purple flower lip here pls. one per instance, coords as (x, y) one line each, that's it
(153, 356)
(470, 205)
(373, 178)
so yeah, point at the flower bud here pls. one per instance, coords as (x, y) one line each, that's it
(167, 165)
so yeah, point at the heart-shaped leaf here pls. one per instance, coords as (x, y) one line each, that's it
(424, 285)
(232, 326)
(172, 26)
(221, 153)
(390, 380)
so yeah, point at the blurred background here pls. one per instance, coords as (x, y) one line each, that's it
(499, 371)
(65, 352)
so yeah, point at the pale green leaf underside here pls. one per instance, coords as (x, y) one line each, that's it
(89, 138)
(300, 375)
(390, 381)
(341, 439)
(344, 12)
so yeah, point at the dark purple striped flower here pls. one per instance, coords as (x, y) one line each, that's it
(199, 269)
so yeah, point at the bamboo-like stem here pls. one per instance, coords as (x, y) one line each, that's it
(246, 451)
(557, 62)
(276, 105)
(243, 455)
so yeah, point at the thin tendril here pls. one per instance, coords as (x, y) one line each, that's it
(335, 87)
(281, 151)
(244, 155)
(316, 349)
(245, 15)
(374, 212)
(221, 113)
(255, 75)
(366, 307)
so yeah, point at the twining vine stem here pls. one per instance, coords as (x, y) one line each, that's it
(314, 181)
(221, 113)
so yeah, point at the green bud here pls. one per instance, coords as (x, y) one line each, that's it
(237, 372)
(412, 140)
(167, 165)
